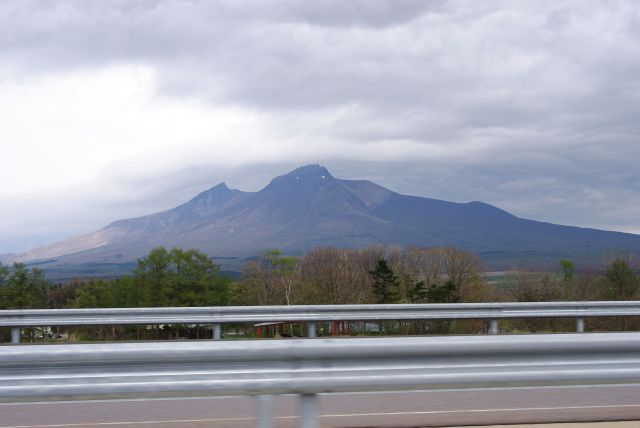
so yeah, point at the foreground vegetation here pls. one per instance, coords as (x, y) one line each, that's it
(325, 275)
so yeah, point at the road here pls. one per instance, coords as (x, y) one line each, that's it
(402, 409)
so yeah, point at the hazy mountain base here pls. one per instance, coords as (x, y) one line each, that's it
(58, 271)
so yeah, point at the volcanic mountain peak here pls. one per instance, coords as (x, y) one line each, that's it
(309, 171)
(308, 207)
(305, 178)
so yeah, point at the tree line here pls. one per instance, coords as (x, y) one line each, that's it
(325, 275)
(163, 278)
(375, 274)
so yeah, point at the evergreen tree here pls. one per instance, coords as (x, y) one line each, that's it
(4, 273)
(444, 293)
(417, 292)
(21, 287)
(385, 283)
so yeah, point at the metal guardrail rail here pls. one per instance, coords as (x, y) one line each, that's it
(312, 366)
(311, 314)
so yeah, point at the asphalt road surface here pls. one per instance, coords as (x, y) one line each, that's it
(402, 409)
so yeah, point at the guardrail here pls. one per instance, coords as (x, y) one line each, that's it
(15, 319)
(312, 366)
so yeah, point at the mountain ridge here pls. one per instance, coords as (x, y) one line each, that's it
(308, 207)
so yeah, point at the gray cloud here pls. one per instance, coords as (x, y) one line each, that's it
(529, 105)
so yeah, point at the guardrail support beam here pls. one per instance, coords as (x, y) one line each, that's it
(15, 334)
(580, 325)
(308, 411)
(493, 327)
(217, 331)
(311, 329)
(264, 411)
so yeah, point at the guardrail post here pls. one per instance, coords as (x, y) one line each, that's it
(311, 329)
(308, 411)
(493, 327)
(15, 334)
(580, 325)
(264, 411)
(217, 331)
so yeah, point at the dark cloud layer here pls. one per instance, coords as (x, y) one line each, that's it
(530, 105)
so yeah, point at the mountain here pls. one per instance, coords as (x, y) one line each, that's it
(308, 207)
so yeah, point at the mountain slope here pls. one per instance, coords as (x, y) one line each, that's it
(309, 207)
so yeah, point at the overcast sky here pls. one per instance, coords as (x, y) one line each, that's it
(113, 109)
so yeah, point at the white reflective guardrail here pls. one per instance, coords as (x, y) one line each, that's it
(311, 366)
(311, 314)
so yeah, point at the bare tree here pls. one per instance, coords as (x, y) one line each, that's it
(463, 270)
(522, 286)
(621, 278)
(256, 286)
(425, 264)
(335, 276)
